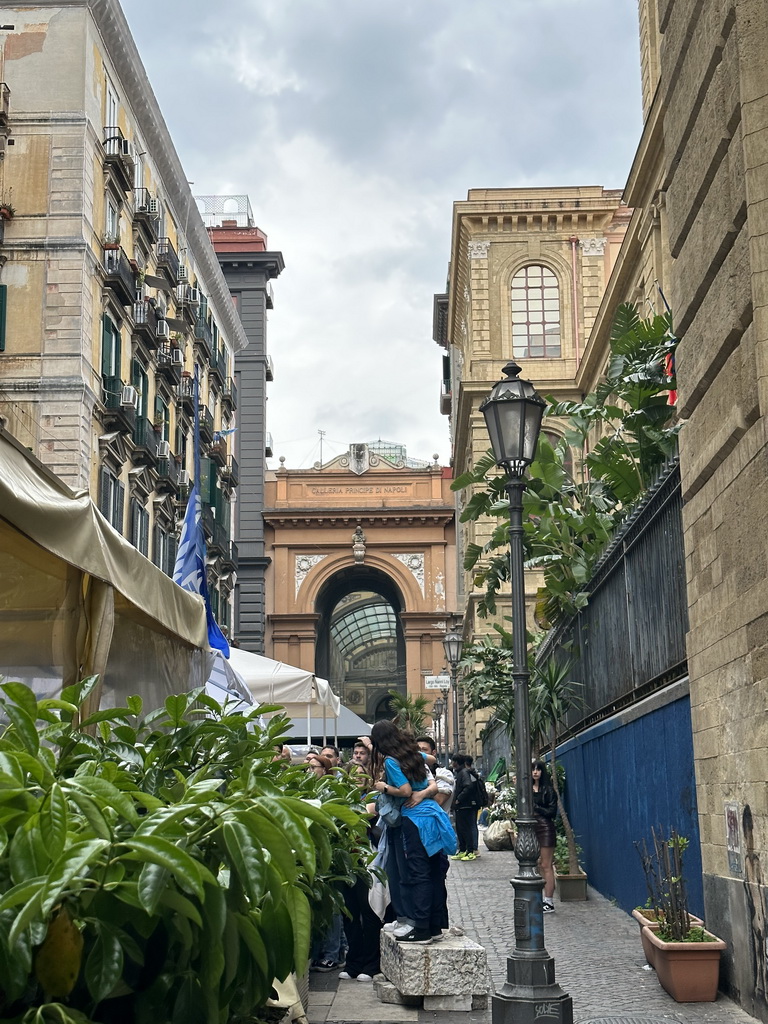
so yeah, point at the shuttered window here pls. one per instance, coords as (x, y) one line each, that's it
(139, 526)
(111, 498)
(110, 347)
(3, 309)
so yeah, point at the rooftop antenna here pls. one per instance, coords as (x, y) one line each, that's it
(322, 434)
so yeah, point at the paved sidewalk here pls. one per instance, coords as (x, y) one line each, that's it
(596, 946)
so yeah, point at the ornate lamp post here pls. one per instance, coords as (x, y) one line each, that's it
(438, 707)
(513, 412)
(452, 644)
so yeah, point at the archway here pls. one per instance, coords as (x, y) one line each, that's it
(360, 643)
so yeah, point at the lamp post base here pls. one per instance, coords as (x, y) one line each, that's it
(531, 995)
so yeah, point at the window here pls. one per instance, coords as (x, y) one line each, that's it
(111, 221)
(535, 314)
(164, 547)
(162, 419)
(140, 381)
(111, 106)
(139, 526)
(111, 498)
(110, 347)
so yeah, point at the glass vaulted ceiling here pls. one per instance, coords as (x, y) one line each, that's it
(361, 620)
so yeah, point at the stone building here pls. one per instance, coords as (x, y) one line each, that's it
(111, 295)
(359, 586)
(249, 268)
(701, 171)
(527, 274)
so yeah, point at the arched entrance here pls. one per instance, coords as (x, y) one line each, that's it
(360, 641)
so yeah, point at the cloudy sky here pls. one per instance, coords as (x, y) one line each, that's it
(353, 125)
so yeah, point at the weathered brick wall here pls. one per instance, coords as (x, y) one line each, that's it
(714, 79)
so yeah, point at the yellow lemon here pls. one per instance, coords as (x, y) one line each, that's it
(57, 962)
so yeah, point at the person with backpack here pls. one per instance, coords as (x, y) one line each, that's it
(470, 796)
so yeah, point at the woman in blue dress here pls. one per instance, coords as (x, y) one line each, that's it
(400, 771)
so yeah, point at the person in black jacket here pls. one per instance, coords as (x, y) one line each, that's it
(466, 806)
(545, 811)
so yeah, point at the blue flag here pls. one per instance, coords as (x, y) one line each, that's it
(189, 570)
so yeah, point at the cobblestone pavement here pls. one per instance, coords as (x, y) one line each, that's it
(596, 946)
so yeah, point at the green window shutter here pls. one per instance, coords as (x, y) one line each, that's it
(104, 492)
(3, 311)
(106, 347)
(119, 506)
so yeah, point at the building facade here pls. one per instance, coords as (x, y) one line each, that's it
(113, 300)
(249, 267)
(705, 143)
(359, 583)
(527, 274)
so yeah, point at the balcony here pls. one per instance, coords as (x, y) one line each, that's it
(145, 440)
(185, 393)
(270, 369)
(204, 337)
(118, 157)
(116, 415)
(208, 519)
(229, 394)
(119, 275)
(231, 471)
(230, 558)
(170, 363)
(145, 322)
(206, 425)
(168, 472)
(445, 398)
(167, 260)
(218, 368)
(217, 452)
(146, 211)
(219, 542)
(5, 104)
(268, 446)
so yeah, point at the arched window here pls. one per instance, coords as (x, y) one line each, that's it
(535, 314)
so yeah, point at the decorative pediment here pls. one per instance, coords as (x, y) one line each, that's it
(165, 509)
(140, 482)
(112, 450)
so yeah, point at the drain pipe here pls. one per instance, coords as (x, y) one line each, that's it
(574, 242)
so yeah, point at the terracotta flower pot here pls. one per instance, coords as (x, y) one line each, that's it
(646, 919)
(572, 888)
(688, 971)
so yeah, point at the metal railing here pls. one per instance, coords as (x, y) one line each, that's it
(230, 392)
(630, 638)
(203, 333)
(144, 315)
(167, 257)
(206, 423)
(119, 271)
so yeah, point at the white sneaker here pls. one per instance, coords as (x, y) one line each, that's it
(364, 977)
(401, 930)
(401, 922)
(345, 976)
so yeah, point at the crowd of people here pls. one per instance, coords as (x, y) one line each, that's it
(409, 799)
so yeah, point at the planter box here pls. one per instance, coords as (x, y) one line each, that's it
(688, 971)
(572, 888)
(646, 919)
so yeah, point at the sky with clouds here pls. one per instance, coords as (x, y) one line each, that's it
(353, 125)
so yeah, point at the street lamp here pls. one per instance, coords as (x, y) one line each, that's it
(452, 644)
(513, 412)
(438, 707)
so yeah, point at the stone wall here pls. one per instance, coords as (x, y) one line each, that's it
(714, 83)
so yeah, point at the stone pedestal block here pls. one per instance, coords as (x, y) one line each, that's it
(455, 967)
(387, 993)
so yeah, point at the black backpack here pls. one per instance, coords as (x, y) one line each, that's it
(476, 791)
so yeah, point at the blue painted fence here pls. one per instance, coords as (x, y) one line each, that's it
(624, 775)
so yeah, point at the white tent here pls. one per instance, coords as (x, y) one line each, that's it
(299, 691)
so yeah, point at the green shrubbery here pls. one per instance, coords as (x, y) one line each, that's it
(161, 867)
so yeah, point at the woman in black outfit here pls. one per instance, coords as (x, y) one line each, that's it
(545, 811)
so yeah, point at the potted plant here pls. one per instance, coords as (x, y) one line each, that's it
(553, 695)
(647, 917)
(159, 866)
(571, 886)
(685, 955)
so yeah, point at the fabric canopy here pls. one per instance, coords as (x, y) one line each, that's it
(273, 682)
(68, 525)
(347, 726)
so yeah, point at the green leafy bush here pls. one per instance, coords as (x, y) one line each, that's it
(159, 868)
